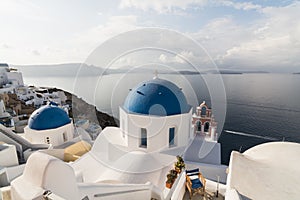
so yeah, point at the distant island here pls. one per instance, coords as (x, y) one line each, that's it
(74, 69)
(221, 72)
(226, 71)
(229, 72)
(243, 72)
(296, 73)
(71, 70)
(255, 72)
(190, 72)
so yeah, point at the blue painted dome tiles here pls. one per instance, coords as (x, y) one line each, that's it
(156, 97)
(48, 117)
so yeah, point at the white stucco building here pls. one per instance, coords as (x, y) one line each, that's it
(9, 164)
(9, 79)
(5, 118)
(131, 161)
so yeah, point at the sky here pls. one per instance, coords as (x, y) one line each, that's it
(238, 35)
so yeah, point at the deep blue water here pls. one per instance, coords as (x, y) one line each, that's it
(263, 105)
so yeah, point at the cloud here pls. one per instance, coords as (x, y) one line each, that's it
(115, 25)
(22, 9)
(270, 40)
(181, 58)
(166, 6)
(221, 34)
(163, 58)
(86, 41)
(125, 61)
(240, 5)
(270, 43)
(6, 46)
(177, 6)
(75, 48)
(170, 59)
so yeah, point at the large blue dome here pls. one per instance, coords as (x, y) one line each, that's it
(48, 117)
(156, 97)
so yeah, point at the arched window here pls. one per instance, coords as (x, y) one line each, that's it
(198, 126)
(143, 138)
(203, 111)
(206, 127)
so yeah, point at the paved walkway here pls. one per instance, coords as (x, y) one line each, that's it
(208, 196)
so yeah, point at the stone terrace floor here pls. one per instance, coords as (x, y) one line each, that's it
(208, 196)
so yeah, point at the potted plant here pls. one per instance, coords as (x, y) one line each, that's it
(179, 165)
(171, 177)
(169, 183)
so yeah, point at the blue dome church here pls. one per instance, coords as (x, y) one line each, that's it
(155, 116)
(49, 124)
(131, 161)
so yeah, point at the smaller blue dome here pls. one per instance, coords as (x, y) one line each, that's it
(48, 117)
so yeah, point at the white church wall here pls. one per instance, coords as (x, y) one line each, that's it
(124, 124)
(60, 179)
(116, 191)
(8, 156)
(55, 136)
(157, 130)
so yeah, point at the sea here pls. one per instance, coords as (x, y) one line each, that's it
(256, 108)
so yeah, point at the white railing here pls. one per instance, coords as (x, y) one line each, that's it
(178, 188)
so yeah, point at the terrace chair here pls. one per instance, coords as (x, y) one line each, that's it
(195, 182)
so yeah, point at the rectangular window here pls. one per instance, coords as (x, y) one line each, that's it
(143, 139)
(65, 136)
(172, 136)
(123, 128)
